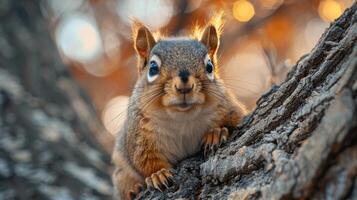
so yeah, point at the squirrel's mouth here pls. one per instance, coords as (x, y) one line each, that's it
(184, 106)
(179, 104)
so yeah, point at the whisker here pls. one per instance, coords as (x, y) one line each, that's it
(145, 98)
(215, 93)
(237, 79)
(235, 87)
(151, 100)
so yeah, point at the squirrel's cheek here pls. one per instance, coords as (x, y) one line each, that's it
(165, 100)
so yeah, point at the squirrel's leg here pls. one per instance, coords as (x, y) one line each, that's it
(127, 182)
(126, 185)
(151, 163)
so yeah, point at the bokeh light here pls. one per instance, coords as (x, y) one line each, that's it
(305, 40)
(111, 44)
(114, 114)
(243, 10)
(153, 13)
(313, 31)
(78, 38)
(329, 10)
(247, 74)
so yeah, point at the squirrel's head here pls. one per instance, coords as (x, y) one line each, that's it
(178, 74)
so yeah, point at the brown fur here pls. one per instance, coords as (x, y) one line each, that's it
(159, 132)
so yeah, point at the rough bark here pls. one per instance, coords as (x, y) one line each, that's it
(48, 149)
(299, 142)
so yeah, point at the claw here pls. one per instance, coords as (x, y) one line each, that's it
(149, 183)
(214, 139)
(157, 186)
(212, 149)
(163, 179)
(160, 180)
(222, 141)
(165, 183)
(206, 149)
(170, 181)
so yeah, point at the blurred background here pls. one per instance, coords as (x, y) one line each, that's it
(261, 39)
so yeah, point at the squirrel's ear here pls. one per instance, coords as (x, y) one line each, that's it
(144, 41)
(210, 39)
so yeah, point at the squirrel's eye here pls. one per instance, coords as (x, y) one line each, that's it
(154, 68)
(209, 67)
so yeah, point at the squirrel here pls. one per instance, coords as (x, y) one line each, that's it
(179, 105)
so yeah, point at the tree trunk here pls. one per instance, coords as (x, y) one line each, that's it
(48, 149)
(299, 142)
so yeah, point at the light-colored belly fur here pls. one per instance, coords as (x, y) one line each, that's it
(180, 136)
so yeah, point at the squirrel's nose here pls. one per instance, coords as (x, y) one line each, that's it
(184, 74)
(184, 90)
(183, 85)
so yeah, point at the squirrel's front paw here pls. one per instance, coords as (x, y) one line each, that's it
(136, 190)
(213, 139)
(160, 180)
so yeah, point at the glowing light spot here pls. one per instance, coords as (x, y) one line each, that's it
(243, 10)
(153, 13)
(114, 114)
(78, 38)
(313, 31)
(252, 76)
(329, 10)
(111, 44)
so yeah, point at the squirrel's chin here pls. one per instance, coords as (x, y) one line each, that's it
(182, 107)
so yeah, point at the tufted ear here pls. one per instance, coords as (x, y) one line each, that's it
(210, 39)
(143, 41)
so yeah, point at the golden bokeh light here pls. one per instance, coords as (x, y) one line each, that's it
(246, 74)
(243, 10)
(78, 37)
(114, 114)
(153, 13)
(329, 10)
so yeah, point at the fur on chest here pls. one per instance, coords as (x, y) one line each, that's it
(180, 136)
